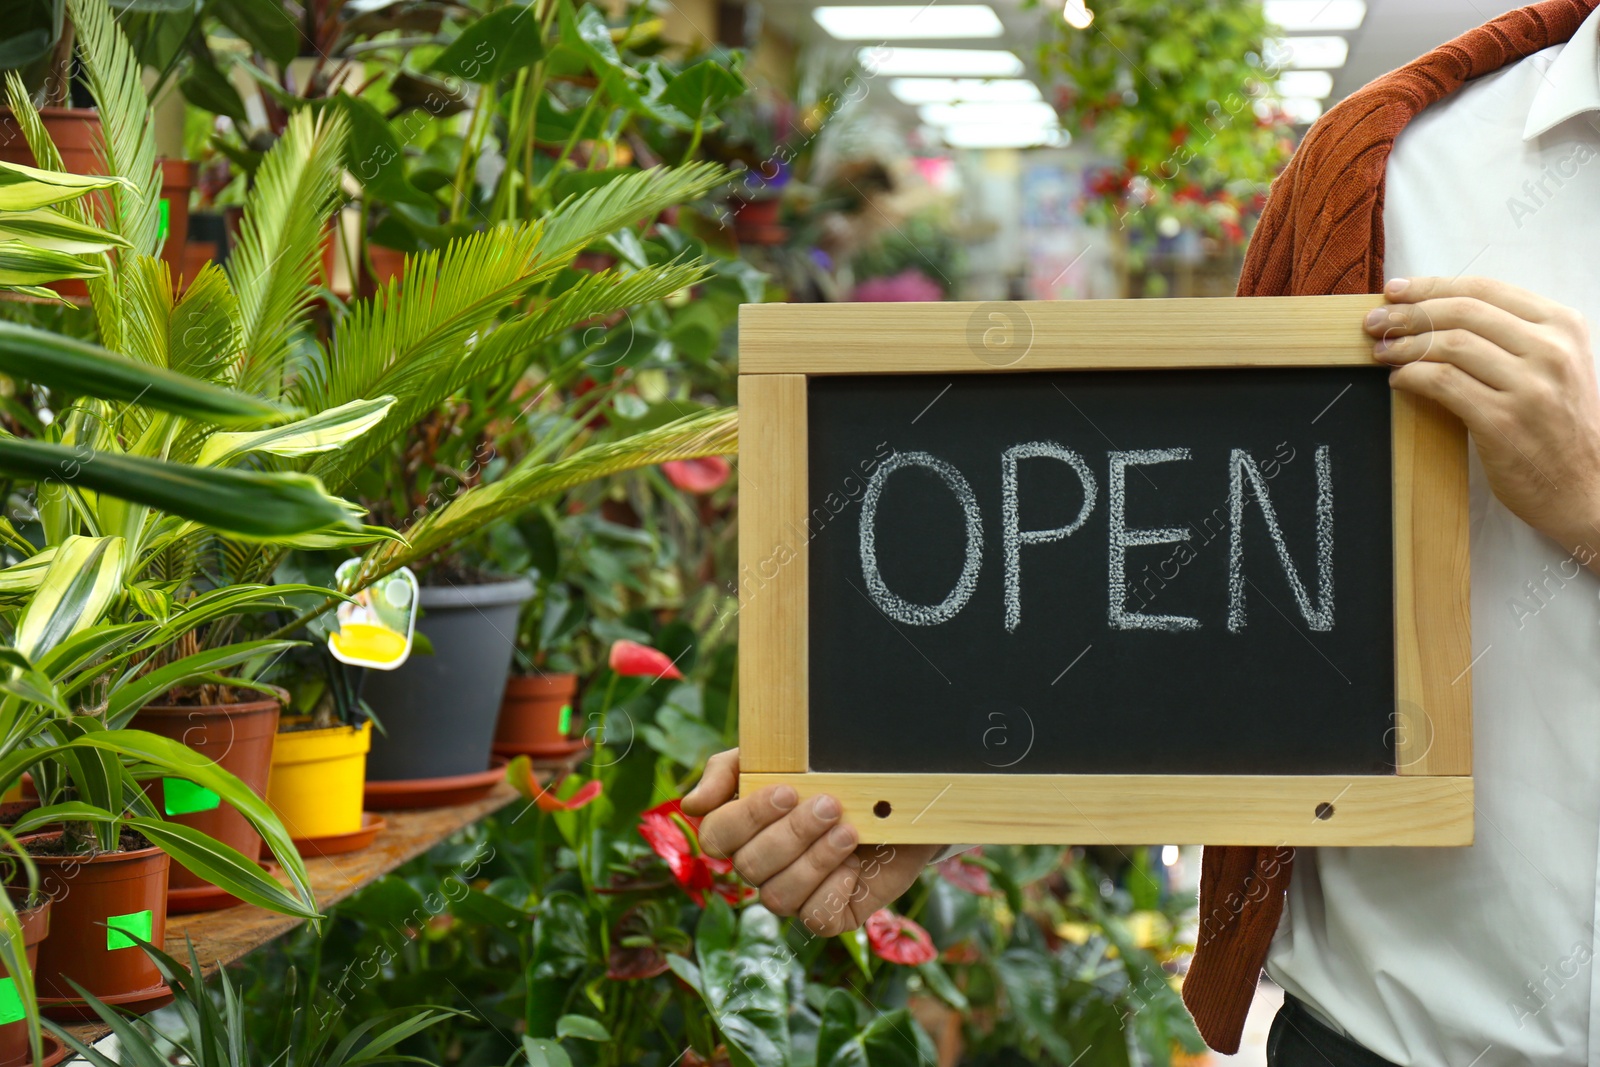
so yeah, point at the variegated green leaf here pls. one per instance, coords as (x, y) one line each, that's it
(22, 264)
(322, 432)
(84, 575)
(25, 188)
(21, 579)
(51, 229)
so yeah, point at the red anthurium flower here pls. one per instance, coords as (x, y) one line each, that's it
(519, 772)
(697, 475)
(633, 660)
(667, 830)
(964, 875)
(897, 939)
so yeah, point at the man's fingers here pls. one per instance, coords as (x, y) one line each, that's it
(786, 892)
(1519, 302)
(1466, 398)
(1490, 364)
(729, 828)
(716, 786)
(783, 841)
(829, 910)
(1503, 330)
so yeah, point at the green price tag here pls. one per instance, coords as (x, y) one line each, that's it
(179, 796)
(140, 924)
(10, 1002)
(565, 722)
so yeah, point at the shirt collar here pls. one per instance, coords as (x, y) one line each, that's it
(1571, 83)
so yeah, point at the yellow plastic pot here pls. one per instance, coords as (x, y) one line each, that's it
(318, 777)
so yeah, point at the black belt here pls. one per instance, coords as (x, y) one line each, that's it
(1298, 1039)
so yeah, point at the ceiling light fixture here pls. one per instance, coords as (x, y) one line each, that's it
(1078, 15)
(1317, 84)
(969, 90)
(1037, 114)
(1321, 16)
(909, 21)
(1306, 53)
(989, 135)
(940, 62)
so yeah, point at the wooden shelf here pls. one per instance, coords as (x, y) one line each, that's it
(220, 937)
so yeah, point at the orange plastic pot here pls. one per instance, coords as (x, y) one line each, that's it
(239, 737)
(14, 1051)
(97, 901)
(77, 135)
(536, 712)
(177, 181)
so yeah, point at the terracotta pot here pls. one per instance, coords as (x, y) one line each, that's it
(14, 1051)
(177, 180)
(386, 264)
(239, 738)
(536, 712)
(756, 221)
(97, 897)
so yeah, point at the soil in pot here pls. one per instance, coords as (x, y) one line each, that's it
(535, 713)
(239, 737)
(318, 775)
(14, 1050)
(439, 711)
(98, 899)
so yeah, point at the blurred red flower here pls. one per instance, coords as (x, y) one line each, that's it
(964, 875)
(897, 939)
(519, 772)
(697, 475)
(674, 837)
(633, 660)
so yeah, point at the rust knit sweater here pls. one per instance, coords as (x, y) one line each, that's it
(1322, 232)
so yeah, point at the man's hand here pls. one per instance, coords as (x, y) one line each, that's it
(803, 859)
(1519, 371)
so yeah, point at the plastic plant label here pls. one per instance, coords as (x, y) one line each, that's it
(140, 924)
(164, 223)
(179, 796)
(10, 1002)
(564, 723)
(375, 630)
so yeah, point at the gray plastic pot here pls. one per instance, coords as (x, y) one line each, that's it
(438, 712)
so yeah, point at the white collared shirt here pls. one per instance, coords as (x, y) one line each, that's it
(1486, 955)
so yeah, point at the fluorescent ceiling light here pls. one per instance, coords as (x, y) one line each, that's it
(1322, 16)
(1037, 114)
(1307, 53)
(1304, 110)
(951, 90)
(920, 21)
(1317, 84)
(945, 62)
(989, 135)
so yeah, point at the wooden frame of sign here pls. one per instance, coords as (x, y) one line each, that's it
(1427, 801)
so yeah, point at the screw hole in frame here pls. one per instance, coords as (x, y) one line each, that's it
(1324, 811)
(882, 809)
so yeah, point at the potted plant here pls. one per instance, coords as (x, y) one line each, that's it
(17, 1002)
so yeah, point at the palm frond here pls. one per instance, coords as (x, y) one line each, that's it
(424, 382)
(706, 433)
(580, 221)
(280, 242)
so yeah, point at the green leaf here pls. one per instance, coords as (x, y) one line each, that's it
(375, 156)
(223, 866)
(48, 228)
(493, 46)
(128, 696)
(249, 505)
(581, 1026)
(697, 89)
(205, 86)
(322, 432)
(542, 1052)
(24, 265)
(265, 25)
(78, 368)
(84, 574)
(24, 188)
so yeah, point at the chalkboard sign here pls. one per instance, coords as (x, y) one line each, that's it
(1114, 571)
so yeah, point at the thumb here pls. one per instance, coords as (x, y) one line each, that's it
(717, 784)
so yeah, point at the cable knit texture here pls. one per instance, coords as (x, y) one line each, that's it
(1322, 232)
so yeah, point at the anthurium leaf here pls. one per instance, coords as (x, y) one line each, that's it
(222, 865)
(494, 46)
(542, 1052)
(264, 25)
(581, 1026)
(85, 573)
(374, 155)
(269, 506)
(321, 432)
(130, 695)
(184, 762)
(697, 89)
(78, 368)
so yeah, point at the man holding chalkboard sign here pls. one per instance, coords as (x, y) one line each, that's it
(1471, 179)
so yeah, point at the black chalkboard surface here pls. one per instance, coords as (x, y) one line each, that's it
(1248, 513)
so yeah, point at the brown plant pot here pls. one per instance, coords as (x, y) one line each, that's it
(177, 181)
(95, 897)
(239, 738)
(14, 1050)
(77, 135)
(386, 264)
(756, 221)
(531, 713)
